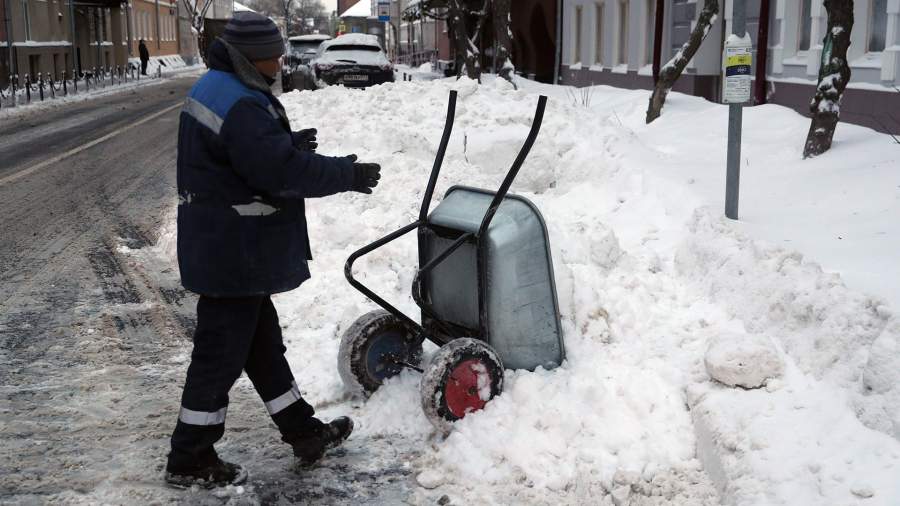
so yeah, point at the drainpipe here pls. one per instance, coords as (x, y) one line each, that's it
(128, 28)
(557, 58)
(97, 33)
(158, 42)
(7, 22)
(762, 53)
(72, 29)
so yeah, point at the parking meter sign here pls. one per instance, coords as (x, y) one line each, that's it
(737, 63)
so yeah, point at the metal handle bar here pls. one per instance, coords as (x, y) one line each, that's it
(417, 294)
(423, 214)
(517, 164)
(439, 158)
(348, 273)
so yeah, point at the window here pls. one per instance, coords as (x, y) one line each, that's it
(805, 25)
(623, 32)
(27, 17)
(576, 57)
(598, 33)
(651, 31)
(877, 26)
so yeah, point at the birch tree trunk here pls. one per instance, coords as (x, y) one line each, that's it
(500, 10)
(834, 74)
(672, 70)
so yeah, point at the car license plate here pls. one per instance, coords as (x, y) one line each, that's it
(355, 77)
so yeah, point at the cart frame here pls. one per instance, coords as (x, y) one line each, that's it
(442, 332)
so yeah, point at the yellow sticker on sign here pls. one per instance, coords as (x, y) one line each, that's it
(740, 59)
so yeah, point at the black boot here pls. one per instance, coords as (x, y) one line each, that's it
(309, 445)
(218, 474)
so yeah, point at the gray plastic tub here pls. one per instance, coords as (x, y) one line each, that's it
(521, 311)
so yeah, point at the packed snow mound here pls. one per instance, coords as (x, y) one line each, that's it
(747, 361)
(647, 275)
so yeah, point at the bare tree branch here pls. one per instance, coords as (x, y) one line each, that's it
(672, 70)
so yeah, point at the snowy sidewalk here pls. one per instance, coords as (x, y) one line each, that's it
(170, 70)
(648, 274)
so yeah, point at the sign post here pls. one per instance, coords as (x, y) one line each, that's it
(737, 61)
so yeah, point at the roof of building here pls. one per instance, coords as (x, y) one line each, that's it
(361, 9)
(239, 7)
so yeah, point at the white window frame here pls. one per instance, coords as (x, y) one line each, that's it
(800, 20)
(870, 24)
(622, 20)
(26, 17)
(599, 12)
(650, 17)
(577, 33)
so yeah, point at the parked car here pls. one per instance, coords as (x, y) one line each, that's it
(295, 74)
(353, 60)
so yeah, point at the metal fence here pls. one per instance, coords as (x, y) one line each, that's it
(26, 89)
(418, 58)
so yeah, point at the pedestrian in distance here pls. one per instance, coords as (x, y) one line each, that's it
(243, 176)
(145, 56)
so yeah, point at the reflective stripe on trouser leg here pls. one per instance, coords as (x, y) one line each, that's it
(191, 417)
(284, 400)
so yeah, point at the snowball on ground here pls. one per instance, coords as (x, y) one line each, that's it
(743, 360)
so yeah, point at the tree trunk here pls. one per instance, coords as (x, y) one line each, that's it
(834, 74)
(503, 38)
(466, 52)
(673, 69)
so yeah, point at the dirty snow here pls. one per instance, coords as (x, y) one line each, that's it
(648, 273)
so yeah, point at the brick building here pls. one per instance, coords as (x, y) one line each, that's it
(157, 23)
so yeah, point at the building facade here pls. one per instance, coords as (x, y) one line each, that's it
(49, 37)
(156, 22)
(611, 42)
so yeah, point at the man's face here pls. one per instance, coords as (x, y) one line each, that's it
(268, 68)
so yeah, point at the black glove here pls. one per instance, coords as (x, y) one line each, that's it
(305, 140)
(365, 175)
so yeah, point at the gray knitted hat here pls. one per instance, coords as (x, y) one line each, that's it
(254, 35)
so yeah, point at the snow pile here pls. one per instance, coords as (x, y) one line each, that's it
(648, 277)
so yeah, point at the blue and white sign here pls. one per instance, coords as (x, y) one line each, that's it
(384, 10)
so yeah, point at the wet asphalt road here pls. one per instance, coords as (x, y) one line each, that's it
(95, 337)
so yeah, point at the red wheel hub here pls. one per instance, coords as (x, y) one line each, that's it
(468, 388)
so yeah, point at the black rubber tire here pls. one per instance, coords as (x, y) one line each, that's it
(353, 355)
(437, 374)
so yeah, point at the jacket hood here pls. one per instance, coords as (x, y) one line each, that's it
(224, 57)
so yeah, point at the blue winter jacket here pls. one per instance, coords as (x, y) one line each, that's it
(241, 184)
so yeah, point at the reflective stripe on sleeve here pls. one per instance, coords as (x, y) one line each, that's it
(191, 417)
(202, 114)
(284, 400)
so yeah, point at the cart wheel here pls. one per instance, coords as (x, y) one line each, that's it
(461, 377)
(370, 348)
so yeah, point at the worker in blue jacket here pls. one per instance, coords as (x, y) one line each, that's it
(242, 178)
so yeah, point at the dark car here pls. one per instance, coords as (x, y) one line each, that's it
(301, 49)
(354, 60)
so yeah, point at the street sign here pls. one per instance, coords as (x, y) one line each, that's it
(737, 62)
(384, 10)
